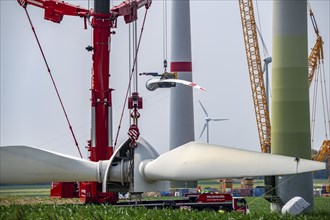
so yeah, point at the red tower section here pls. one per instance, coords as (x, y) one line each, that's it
(101, 133)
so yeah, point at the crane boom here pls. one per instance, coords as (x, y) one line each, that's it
(55, 10)
(103, 21)
(316, 54)
(324, 152)
(314, 58)
(256, 74)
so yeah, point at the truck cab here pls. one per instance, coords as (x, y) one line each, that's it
(240, 205)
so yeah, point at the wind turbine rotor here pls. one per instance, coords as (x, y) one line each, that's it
(205, 125)
(208, 119)
(207, 115)
(219, 119)
(24, 165)
(200, 161)
(192, 161)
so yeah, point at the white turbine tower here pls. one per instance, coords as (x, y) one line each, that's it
(207, 121)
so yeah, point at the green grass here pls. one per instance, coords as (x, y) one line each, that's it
(319, 182)
(34, 186)
(30, 202)
(259, 210)
(25, 190)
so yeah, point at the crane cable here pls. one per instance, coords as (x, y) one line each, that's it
(314, 102)
(264, 47)
(325, 105)
(311, 14)
(53, 81)
(266, 56)
(129, 65)
(130, 77)
(165, 34)
(319, 77)
(135, 76)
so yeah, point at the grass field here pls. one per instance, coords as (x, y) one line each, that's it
(259, 210)
(26, 190)
(33, 202)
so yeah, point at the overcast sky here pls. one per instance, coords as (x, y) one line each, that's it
(30, 111)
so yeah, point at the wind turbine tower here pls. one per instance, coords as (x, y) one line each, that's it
(182, 129)
(207, 121)
(290, 96)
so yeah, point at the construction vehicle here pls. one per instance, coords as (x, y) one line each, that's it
(256, 74)
(324, 152)
(259, 93)
(196, 201)
(100, 146)
(316, 58)
(102, 21)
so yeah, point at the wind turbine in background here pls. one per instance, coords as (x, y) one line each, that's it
(207, 120)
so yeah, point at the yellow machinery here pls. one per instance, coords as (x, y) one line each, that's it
(315, 57)
(256, 76)
(324, 152)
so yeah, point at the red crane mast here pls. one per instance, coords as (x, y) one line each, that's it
(103, 20)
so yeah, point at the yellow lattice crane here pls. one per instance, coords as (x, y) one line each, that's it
(324, 152)
(259, 93)
(256, 74)
(315, 57)
(314, 60)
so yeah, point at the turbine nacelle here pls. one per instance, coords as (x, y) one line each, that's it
(167, 80)
(153, 84)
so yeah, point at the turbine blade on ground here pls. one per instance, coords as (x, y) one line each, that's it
(200, 161)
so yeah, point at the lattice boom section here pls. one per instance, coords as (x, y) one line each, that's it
(256, 75)
(314, 58)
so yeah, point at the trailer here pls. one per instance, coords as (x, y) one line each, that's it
(194, 201)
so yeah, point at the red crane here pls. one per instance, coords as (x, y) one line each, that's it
(103, 21)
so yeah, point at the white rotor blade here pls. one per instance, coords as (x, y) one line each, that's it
(207, 115)
(198, 161)
(184, 82)
(205, 125)
(22, 164)
(152, 83)
(219, 119)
